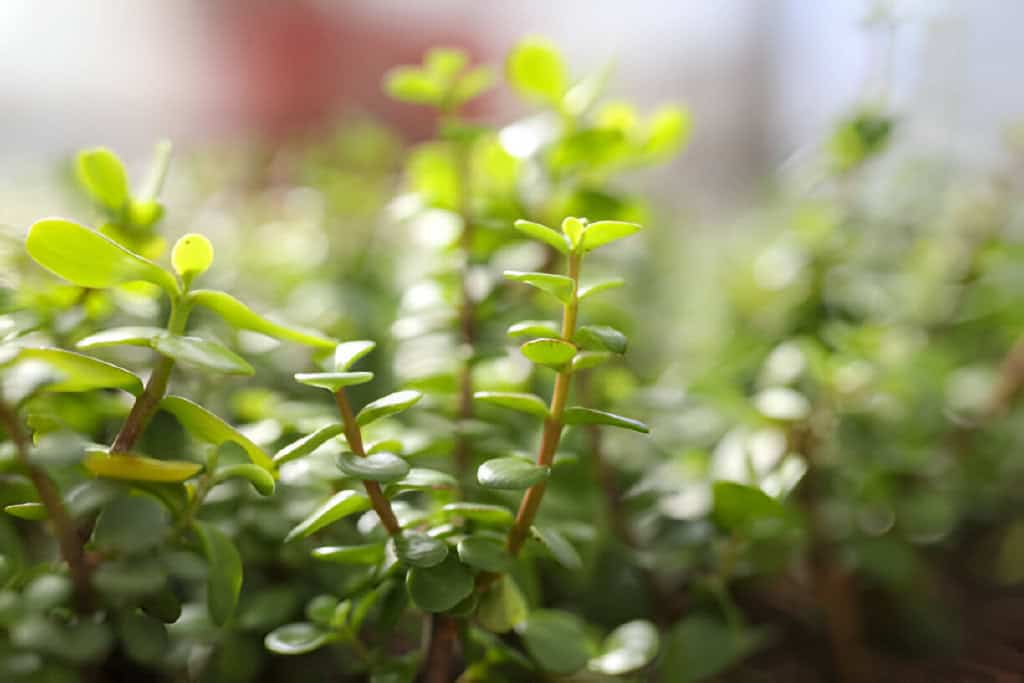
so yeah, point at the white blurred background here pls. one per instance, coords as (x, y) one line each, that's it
(763, 78)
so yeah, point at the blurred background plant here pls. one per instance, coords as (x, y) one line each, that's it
(822, 321)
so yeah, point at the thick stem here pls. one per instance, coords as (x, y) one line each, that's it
(354, 436)
(444, 641)
(67, 537)
(551, 436)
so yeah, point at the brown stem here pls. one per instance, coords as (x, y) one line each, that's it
(354, 436)
(144, 408)
(444, 641)
(70, 544)
(552, 424)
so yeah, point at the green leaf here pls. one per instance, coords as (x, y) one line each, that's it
(536, 70)
(628, 648)
(138, 335)
(473, 83)
(332, 381)
(600, 338)
(387, 405)
(133, 467)
(544, 234)
(192, 255)
(425, 479)
(341, 504)
(502, 606)
(667, 131)
(559, 547)
(206, 426)
(534, 328)
(203, 354)
(602, 232)
(701, 647)
(511, 473)
(559, 286)
(588, 416)
(261, 479)
(598, 287)
(367, 553)
(739, 508)
(382, 467)
(524, 403)
(585, 360)
(130, 524)
(572, 228)
(33, 512)
(82, 373)
(441, 587)
(296, 639)
(412, 84)
(224, 573)
(553, 353)
(307, 444)
(238, 315)
(418, 549)
(556, 640)
(347, 353)
(143, 637)
(103, 176)
(492, 515)
(86, 258)
(485, 553)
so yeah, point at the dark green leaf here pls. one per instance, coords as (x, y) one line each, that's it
(512, 473)
(589, 416)
(130, 524)
(425, 479)
(388, 405)
(559, 547)
(224, 575)
(524, 403)
(600, 338)
(383, 467)
(33, 512)
(441, 587)
(700, 647)
(556, 640)
(417, 549)
(502, 606)
(341, 504)
(484, 553)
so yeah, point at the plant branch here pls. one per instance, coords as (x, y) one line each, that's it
(354, 436)
(551, 436)
(67, 537)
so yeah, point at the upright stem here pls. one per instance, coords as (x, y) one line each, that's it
(551, 436)
(156, 386)
(354, 436)
(67, 538)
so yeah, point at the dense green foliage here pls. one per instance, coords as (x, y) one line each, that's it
(185, 502)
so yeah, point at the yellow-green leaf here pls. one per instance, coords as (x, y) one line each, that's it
(204, 425)
(237, 314)
(134, 467)
(550, 352)
(78, 372)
